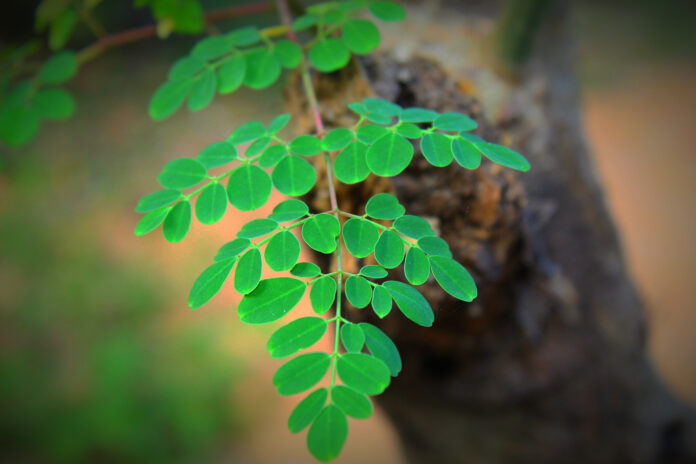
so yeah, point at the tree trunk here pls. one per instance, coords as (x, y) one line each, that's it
(548, 364)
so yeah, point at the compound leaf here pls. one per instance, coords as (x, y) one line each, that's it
(296, 336)
(411, 302)
(271, 299)
(209, 283)
(453, 278)
(282, 251)
(211, 204)
(363, 373)
(360, 237)
(249, 187)
(382, 347)
(301, 373)
(248, 274)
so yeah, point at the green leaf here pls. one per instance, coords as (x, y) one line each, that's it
(212, 47)
(245, 36)
(363, 373)
(454, 122)
(272, 156)
(18, 124)
(271, 299)
(373, 272)
(282, 251)
(182, 173)
(382, 347)
(413, 226)
(231, 250)
(418, 115)
(504, 156)
(257, 146)
(416, 266)
(304, 22)
(247, 132)
(168, 98)
(408, 130)
(209, 283)
(307, 410)
(382, 106)
(302, 373)
(466, 153)
(360, 237)
(323, 294)
(289, 210)
(350, 165)
(378, 118)
(185, 67)
(358, 108)
(320, 233)
(329, 55)
(249, 187)
(389, 155)
(411, 303)
(389, 251)
(352, 403)
(211, 204)
(352, 337)
(370, 133)
(54, 104)
(294, 176)
(437, 149)
(62, 28)
(453, 278)
(388, 11)
(305, 145)
(231, 74)
(157, 200)
(361, 36)
(262, 69)
(288, 53)
(296, 336)
(305, 270)
(178, 221)
(257, 228)
(59, 68)
(202, 91)
(384, 206)
(336, 139)
(358, 291)
(435, 246)
(381, 301)
(217, 154)
(248, 275)
(328, 434)
(278, 123)
(151, 221)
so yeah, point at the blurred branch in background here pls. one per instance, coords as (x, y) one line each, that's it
(517, 28)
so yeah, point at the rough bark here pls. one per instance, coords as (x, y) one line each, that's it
(548, 364)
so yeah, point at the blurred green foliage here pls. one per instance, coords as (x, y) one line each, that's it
(91, 369)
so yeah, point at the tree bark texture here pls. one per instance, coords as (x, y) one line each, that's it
(548, 364)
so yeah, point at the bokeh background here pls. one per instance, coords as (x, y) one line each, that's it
(101, 359)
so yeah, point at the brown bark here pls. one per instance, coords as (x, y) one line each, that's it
(548, 364)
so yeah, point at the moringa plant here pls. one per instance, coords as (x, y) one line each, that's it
(242, 170)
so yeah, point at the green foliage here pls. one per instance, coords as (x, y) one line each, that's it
(380, 143)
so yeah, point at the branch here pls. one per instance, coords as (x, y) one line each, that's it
(144, 32)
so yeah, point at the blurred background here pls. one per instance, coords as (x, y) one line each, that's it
(101, 359)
